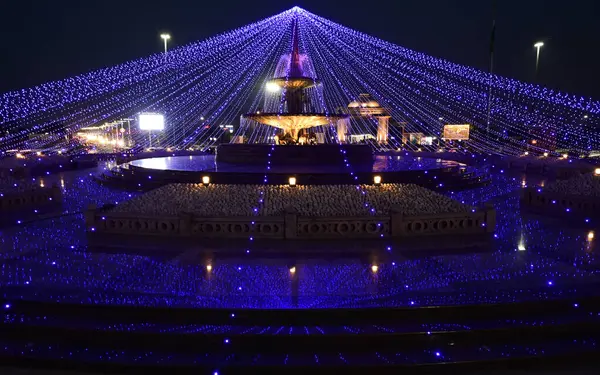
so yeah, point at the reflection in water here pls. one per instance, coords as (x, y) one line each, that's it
(381, 163)
(156, 163)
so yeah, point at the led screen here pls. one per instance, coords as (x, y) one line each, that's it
(456, 132)
(152, 121)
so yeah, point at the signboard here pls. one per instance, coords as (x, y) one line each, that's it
(152, 121)
(456, 132)
(412, 138)
(426, 141)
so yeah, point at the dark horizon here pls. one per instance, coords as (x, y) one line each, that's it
(79, 37)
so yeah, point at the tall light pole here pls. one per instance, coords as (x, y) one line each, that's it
(491, 77)
(538, 47)
(165, 38)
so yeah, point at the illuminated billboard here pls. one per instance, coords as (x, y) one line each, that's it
(426, 141)
(152, 121)
(456, 132)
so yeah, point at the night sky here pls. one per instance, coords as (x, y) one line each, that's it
(48, 40)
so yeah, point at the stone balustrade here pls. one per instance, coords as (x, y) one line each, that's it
(477, 221)
(290, 225)
(35, 197)
(557, 203)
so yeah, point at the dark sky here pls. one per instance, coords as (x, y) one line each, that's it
(45, 40)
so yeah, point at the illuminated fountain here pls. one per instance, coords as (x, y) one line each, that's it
(305, 133)
(292, 83)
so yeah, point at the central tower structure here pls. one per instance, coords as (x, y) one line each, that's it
(293, 86)
(295, 103)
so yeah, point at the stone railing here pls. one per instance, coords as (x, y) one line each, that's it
(477, 221)
(292, 226)
(35, 197)
(556, 203)
(341, 227)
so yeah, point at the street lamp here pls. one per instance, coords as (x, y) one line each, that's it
(165, 38)
(538, 46)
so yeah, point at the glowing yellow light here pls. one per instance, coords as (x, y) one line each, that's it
(521, 246)
(597, 171)
(292, 181)
(590, 235)
(526, 153)
(523, 183)
(565, 156)
(205, 180)
(60, 152)
(209, 268)
(272, 87)
(20, 156)
(42, 183)
(39, 153)
(293, 270)
(377, 180)
(419, 149)
(545, 154)
(374, 268)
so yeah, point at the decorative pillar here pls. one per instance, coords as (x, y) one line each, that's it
(89, 215)
(342, 130)
(382, 129)
(185, 223)
(396, 222)
(490, 217)
(290, 223)
(56, 193)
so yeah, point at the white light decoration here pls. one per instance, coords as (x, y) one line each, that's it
(374, 268)
(292, 270)
(590, 235)
(206, 180)
(292, 181)
(377, 180)
(597, 171)
(272, 87)
(151, 121)
(209, 267)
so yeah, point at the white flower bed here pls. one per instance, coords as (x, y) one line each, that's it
(587, 185)
(325, 200)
